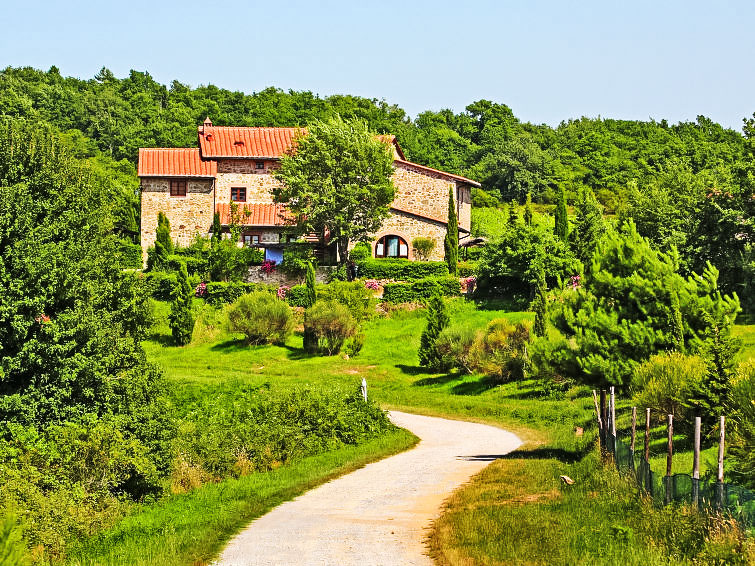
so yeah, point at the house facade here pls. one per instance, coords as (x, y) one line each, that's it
(231, 173)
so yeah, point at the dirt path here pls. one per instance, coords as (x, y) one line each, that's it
(379, 514)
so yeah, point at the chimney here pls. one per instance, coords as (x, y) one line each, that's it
(207, 124)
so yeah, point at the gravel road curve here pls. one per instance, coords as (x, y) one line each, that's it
(379, 514)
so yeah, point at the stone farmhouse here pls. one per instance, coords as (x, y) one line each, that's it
(234, 165)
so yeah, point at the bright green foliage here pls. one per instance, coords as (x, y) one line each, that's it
(512, 264)
(338, 178)
(331, 324)
(309, 281)
(540, 307)
(217, 229)
(228, 262)
(622, 314)
(181, 317)
(421, 290)
(70, 319)
(513, 219)
(353, 295)
(296, 257)
(677, 322)
(528, 210)
(12, 549)
(588, 229)
(423, 247)
(401, 269)
(360, 252)
(451, 243)
(743, 438)
(562, 219)
(437, 321)
(158, 259)
(712, 396)
(501, 350)
(261, 317)
(666, 381)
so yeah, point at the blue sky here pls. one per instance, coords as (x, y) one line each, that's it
(547, 60)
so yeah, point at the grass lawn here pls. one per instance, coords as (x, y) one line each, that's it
(516, 511)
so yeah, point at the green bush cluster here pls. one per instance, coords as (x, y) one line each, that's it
(353, 295)
(129, 254)
(194, 265)
(400, 269)
(467, 268)
(297, 296)
(421, 290)
(222, 292)
(330, 324)
(261, 317)
(158, 284)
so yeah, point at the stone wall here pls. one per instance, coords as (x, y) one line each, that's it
(422, 191)
(188, 215)
(278, 277)
(242, 173)
(465, 206)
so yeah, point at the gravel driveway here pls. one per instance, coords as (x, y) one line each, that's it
(379, 514)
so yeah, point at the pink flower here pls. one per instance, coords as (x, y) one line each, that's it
(201, 290)
(282, 291)
(268, 266)
(372, 284)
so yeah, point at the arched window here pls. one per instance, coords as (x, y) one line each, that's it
(391, 246)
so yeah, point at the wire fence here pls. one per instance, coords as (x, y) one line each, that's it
(707, 493)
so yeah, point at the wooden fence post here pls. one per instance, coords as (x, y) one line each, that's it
(634, 433)
(600, 420)
(696, 465)
(646, 458)
(669, 455)
(604, 418)
(612, 409)
(720, 482)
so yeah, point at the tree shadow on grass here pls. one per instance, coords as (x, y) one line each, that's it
(162, 339)
(563, 456)
(230, 345)
(296, 354)
(437, 380)
(476, 387)
(412, 370)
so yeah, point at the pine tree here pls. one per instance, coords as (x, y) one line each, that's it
(677, 323)
(158, 260)
(562, 220)
(513, 215)
(540, 306)
(528, 210)
(310, 336)
(451, 243)
(589, 227)
(181, 318)
(437, 320)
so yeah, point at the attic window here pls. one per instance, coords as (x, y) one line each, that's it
(259, 165)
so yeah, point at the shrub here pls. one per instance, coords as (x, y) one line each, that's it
(743, 438)
(421, 290)
(194, 265)
(501, 351)
(297, 296)
(467, 268)
(159, 285)
(331, 323)
(400, 269)
(261, 318)
(437, 321)
(181, 318)
(220, 293)
(296, 258)
(129, 254)
(360, 252)
(454, 346)
(666, 381)
(352, 294)
(355, 344)
(423, 248)
(12, 548)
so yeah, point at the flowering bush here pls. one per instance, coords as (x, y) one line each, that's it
(201, 290)
(372, 284)
(268, 266)
(282, 292)
(574, 282)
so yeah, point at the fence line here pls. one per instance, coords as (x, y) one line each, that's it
(706, 494)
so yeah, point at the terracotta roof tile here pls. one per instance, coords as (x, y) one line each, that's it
(256, 214)
(172, 162)
(233, 142)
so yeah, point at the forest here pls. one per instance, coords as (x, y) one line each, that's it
(687, 186)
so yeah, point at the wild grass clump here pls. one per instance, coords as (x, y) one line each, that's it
(330, 324)
(261, 317)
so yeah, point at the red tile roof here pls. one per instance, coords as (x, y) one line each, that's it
(233, 142)
(256, 214)
(181, 162)
(439, 172)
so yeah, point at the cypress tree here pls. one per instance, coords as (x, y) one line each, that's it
(589, 227)
(451, 243)
(216, 228)
(528, 210)
(437, 320)
(562, 220)
(677, 324)
(163, 233)
(310, 337)
(181, 318)
(540, 306)
(513, 215)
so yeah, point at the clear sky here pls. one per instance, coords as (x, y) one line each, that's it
(547, 60)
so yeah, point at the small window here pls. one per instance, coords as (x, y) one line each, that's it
(238, 194)
(259, 165)
(178, 188)
(251, 240)
(391, 246)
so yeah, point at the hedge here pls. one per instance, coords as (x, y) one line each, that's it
(159, 285)
(420, 290)
(220, 292)
(129, 254)
(297, 296)
(194, 265)
(467, 268)
(401, 269)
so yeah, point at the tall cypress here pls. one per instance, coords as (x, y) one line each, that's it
(562, 220)
(181, 318)
(217, 229)
(513, 215)
(451, 243)
(158, 260)
(540, 306)
(437, 321)
(310, 337)
(677, 324)
(528, 210)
